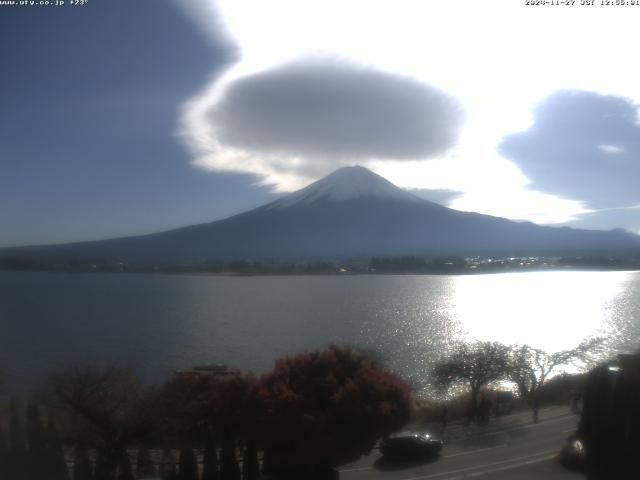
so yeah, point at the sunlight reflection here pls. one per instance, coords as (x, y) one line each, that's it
(548, 310)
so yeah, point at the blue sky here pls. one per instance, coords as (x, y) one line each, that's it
(89, 98)
(125, 117)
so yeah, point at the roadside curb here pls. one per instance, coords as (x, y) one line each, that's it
(460, 431)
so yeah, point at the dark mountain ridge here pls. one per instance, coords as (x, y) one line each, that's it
(350, 213)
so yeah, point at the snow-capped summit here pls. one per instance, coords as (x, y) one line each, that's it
(347, 183)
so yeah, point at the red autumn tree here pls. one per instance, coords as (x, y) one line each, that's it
(204, 402)
(201, 408)
(238, 414)
(186, 401)
(326, 408)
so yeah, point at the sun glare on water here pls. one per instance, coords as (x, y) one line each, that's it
(548, 310)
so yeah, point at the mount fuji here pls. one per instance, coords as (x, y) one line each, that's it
(350, 213)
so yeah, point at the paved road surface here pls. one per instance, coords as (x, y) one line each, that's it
(514, 449)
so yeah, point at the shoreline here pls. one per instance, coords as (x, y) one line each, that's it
(328, 274)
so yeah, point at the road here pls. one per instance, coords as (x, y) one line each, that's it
(513, 448)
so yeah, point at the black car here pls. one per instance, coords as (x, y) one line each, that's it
(410, 446)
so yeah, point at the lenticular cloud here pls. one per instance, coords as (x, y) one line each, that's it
(329, 109)
(303, 119)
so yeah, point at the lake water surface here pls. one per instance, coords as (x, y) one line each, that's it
(159, 323)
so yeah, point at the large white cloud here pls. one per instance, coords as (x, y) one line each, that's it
(309, 117)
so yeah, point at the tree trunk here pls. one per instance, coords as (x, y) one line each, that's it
(250, 464)
(210, 462)
(124, 467)
(188, 469)
(167, 465)
(473, 405)
(81, 464)
(144, 464)
(229, 468)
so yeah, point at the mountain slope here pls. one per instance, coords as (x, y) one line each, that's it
(352, 212)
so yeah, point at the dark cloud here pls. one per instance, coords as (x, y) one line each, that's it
(335, 110)
(440, 196)
(583, 146)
